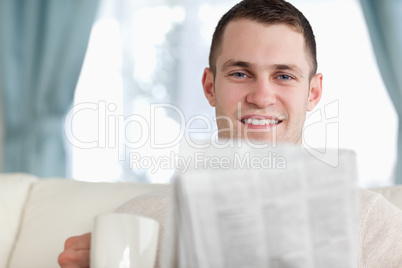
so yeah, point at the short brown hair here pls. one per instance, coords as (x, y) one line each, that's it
(266, 12)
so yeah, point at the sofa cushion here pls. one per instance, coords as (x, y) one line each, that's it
(60, 208)
(14, 189)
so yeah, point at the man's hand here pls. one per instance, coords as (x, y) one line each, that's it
(76, 252)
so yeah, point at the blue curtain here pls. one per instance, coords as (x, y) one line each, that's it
(384, 21)
(42, 47)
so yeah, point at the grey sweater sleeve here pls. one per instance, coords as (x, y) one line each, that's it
(380, 232)
(152, 205)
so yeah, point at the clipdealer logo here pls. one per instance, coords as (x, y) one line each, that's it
(113, 131)
(325, 122)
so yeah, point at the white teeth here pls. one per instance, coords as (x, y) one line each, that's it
(260, 122)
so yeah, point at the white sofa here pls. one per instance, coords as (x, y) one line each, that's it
(37, 215)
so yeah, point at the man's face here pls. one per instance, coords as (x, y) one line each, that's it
(262, 89)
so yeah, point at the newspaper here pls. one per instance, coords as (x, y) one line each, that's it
(268, 207)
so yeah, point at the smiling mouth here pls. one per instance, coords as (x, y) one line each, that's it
(261, 122)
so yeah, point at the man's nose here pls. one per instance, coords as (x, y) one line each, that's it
(262, 93)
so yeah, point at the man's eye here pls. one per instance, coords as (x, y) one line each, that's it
(285, 77)
(239, 75)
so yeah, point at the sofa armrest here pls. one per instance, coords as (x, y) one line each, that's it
(14, 190)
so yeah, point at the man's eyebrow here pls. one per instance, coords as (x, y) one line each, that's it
(285, 67)
(234, 63)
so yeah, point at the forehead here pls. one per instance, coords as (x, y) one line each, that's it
(262, 44)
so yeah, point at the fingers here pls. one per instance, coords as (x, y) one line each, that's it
(76, 252)
(74, 259)
(78, 242)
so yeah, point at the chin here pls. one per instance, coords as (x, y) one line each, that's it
(262, 136)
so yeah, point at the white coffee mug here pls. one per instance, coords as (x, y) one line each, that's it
(123, 241)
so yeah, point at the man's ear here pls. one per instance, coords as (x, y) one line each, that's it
(208, 85)
(315, 92)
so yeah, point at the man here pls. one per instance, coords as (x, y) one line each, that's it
(262, 80)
